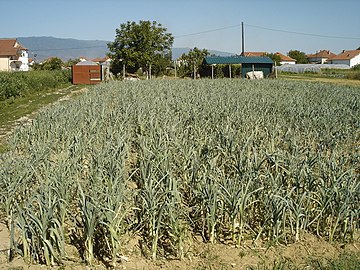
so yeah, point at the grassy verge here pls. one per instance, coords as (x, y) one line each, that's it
(342, 77)
(319, 78)
(346, 261)
(11, 112)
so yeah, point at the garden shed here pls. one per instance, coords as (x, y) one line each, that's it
(248, 64)
(86, 72)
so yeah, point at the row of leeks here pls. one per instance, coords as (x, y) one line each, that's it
(226, 160)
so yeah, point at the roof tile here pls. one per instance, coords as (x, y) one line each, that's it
(346, 55)
(10, 47)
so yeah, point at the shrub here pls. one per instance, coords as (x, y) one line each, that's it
(16, 84)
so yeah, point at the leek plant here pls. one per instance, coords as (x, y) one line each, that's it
(227, 160)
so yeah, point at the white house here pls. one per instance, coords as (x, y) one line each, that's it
(83, 59)
(13, 56)
(105, 61)
(350, 58)
(320, 57)
(284, 59)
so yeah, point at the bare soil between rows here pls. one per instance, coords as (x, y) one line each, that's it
(306, 254)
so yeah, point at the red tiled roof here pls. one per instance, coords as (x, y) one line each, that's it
(322, 54)
(10, 47)
(346, 55)
(284, 57)
(254, 54)
(100, 59)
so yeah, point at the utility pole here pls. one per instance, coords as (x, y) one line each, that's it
(242, 40)
(175, 68)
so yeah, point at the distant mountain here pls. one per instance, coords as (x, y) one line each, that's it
(177, 52)
(41, 48)
(64, 48)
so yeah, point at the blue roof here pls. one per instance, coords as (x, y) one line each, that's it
(227, 60)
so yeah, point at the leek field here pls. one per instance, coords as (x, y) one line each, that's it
(170, 160)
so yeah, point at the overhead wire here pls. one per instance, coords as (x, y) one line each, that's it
(208, 31)
(299, 33)
(63, 49)
(216, 30)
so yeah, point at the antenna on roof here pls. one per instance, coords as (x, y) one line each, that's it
(242, 40)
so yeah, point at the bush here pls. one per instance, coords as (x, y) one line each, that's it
(354, 76)
(16, 84)
(356, 68)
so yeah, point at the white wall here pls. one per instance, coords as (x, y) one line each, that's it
(24, 58)
(4, 64)
(341, 62)
(287, 62)
(355, 61)
(320, 60)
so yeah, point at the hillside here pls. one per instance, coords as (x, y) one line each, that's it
(177, 52)
(65, 48)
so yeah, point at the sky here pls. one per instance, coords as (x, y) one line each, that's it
(270, 25)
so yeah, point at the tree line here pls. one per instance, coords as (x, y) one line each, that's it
(144, 48)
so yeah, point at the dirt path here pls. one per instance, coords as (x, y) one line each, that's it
(8, 129)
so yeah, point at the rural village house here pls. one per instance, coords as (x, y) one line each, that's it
(13, 56)
(83, 59)
(350, 58)
(254, 54)
(320, 57)
(284, 59)
(105, 61)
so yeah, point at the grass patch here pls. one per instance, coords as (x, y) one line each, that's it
(311, 77)
(3, 147)
(14, 109)
(346, 261)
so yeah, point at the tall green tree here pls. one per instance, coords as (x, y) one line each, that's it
(192, 61)
(139, 45)
(275, 57)
(299, 56)
(53, 63)
(71, 62)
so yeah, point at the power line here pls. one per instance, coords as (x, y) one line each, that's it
(269, 29)
(208, 31)
(300, 33)
(63, 49)
(216, 30)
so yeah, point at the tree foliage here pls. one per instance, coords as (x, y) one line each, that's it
(71, 62)
(139, 45)
(299, 56)
(275, 57)
(192, 61)
(53, 63)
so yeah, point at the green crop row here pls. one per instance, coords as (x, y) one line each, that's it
(223, 160)
(16, 84)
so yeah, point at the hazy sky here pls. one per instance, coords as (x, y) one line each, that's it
(338, 20)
